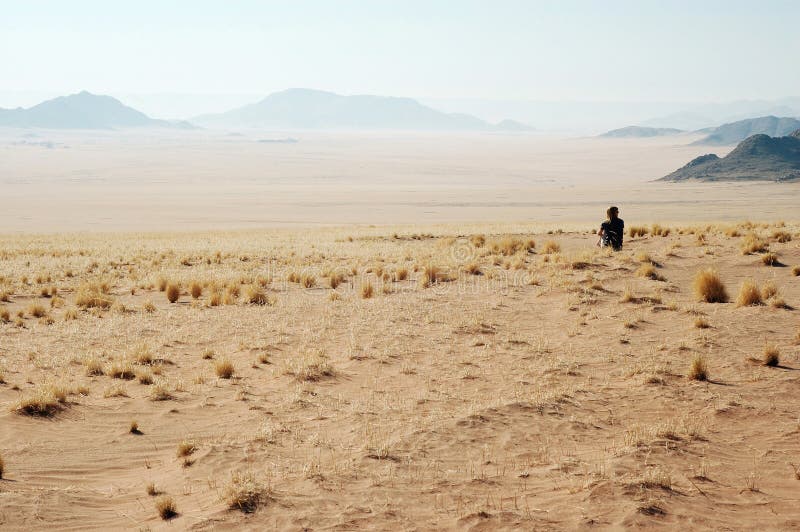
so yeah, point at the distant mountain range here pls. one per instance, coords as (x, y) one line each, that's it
(738, 131)
(640, 131)
(757, 158)
(82, 111)
(314, 109)
(723, 135)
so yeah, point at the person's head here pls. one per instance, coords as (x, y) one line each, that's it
(612, 213)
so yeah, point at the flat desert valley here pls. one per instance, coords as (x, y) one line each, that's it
(392, 332)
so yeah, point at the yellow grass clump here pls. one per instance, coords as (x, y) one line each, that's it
(749, 294)
(753, 244)
(701, 323)
(93, 296)
(708, 287)
(401, 274)
(699, 369)
(796, 271)
(173, 292)
(771, 355)
(367, 290)
(45, 401)
(243, 492)
(195, 290)
(255, 295)
(550, 247)
(166, 508)
(634, 231)
(770, 259)
(224, 368)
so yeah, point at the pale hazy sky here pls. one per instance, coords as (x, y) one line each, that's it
(634, 50)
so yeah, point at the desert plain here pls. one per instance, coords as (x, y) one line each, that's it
(389, 333)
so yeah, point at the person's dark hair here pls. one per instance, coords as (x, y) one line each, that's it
(612, 213)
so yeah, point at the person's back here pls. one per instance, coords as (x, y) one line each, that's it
(612, 230)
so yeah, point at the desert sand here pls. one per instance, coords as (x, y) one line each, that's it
(390, 332)
(123, 181)
(472, 376)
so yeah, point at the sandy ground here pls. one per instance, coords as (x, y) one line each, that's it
(526, 389)
(201, 180)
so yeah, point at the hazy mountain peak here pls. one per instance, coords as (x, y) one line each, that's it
(303, 108)
(82, 110)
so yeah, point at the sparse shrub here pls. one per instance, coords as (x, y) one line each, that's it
(771, 355)
(551, 247)
(160, 392)
(195, 289)
(401, 274)
(473, 268)
(186, 448)
(224, 368)
(634, 231)
(166, 508)
(93, 296)
(753, 244)
(45, 401)
(335, 279)
(782, 236)
(121, 370)
(770, 259)
(255, 295)
(243, 492)
(648, 271)
(367, 290)
(769, 290)
(699, 369)
(708, 287)
(149, 307)
(749, 294)
(93, 366)
(37, 311)
(173, 292)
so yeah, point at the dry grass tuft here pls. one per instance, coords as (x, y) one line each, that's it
(637, 231)
(551, 247)
(335, 279)
(255, 295)
(134, 427)
(160, 392)
(753, 244)
(768, 290)
(224, 368)
(186, 448)
(308, 281)
(782, 236)
(770, 259)
(699, 369)
(772, 355)
(173, 292)
(195, 290)
(401, 274)
(151, 489)
(93, 296)
(2, 467)
(243, 492)
(796, 271)
(149, 307)
(749, 294)
(708, 287)
(648, 271)
(165, 506)
(93, 366)
(367, 290)
(45, 401)
(309, 366)
(121, 370)
(701, 323)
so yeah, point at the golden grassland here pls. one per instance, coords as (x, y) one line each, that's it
(470, 377)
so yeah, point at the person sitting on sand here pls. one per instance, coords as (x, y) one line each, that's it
(612, 230)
